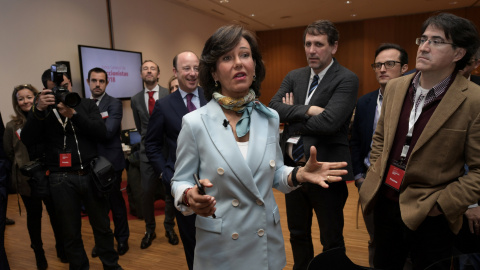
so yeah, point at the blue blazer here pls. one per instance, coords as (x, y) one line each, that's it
(162, 133)
(111, 147)
(246, 232)
(362, 130)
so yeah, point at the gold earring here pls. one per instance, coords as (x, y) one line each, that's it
(216, 83)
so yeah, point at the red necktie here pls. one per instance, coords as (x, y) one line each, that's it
(151, 101)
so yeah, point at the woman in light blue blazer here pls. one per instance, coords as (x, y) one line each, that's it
(232, 145)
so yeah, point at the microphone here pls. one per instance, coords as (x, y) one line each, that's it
(225, 122)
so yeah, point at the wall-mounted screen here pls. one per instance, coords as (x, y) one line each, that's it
(122, 67)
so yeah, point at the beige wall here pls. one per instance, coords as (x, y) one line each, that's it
(35, 34)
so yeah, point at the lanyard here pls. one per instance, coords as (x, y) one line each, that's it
(415, 113)
(64, 124)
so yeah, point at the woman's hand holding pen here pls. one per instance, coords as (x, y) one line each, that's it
(203, 205)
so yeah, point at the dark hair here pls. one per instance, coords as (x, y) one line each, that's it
(225, 39)
(47, 76)
(322, 27)
(461, 31)
(388, 46)
(97, 70)
(19, 117)
(146, 61)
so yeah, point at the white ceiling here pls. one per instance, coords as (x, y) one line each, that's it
(260, 15)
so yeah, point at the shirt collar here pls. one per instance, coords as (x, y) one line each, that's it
(156, 89)
(184, 94)
(322, 73)
(99, 98)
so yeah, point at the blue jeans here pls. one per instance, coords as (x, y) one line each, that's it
(68, 192)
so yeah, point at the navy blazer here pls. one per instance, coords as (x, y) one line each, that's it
(111, 147)
(362, 130)
(328, 131)
(162, 133)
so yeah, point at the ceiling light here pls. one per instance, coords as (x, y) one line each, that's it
(348, 2)
(354, 15)
(223, 1)
(253, 15)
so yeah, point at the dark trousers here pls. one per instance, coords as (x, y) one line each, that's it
(328, 206)
(169, 221)
(3, 211)
(34, 210)
(430, 243)
(150, 185)
(186, 227)
(119, 210)
(68, 192)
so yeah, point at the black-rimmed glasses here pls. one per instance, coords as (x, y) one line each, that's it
(388, 65)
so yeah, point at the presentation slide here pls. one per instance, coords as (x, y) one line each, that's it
(122, 67)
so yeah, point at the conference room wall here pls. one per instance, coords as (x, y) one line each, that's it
(283, 51)
(35, 34)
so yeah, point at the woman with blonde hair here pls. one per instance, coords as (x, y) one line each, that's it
(22, 99)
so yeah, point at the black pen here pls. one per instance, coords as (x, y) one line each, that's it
(201, 189)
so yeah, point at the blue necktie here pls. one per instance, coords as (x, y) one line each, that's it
(313, 85)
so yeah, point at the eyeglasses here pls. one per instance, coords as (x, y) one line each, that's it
(435, 42)
(388, 65)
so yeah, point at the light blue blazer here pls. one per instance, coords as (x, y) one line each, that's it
(246, 232)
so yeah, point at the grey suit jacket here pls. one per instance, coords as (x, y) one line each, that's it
(328, 131)
(141, 116)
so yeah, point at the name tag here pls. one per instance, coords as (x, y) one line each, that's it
(293, 139)
(104, 115)
(65, 160)
(395, 177)
(18, 133)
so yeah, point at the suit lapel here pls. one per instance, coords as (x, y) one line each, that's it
(303, 86)
(325, 82)
(448, 105)
(224, 141)
(257, 141)
(370, 116)
(178, 104)
(395, 109)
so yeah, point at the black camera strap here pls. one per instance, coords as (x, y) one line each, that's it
(64, 124)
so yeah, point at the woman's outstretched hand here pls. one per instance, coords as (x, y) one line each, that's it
(320, 173)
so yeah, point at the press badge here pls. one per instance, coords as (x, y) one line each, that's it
(395, 175)
(65, 158)
(293, 139)
(104, 115)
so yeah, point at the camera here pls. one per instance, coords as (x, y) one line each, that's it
(61, 93)
(31, 167)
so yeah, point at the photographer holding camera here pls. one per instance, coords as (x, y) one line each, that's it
(70, 136)
(22, 101)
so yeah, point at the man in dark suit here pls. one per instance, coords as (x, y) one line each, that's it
(142, 106)
(316, 103)
(163, 130)
(3, 199)
(111, 111)
(391, 61)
